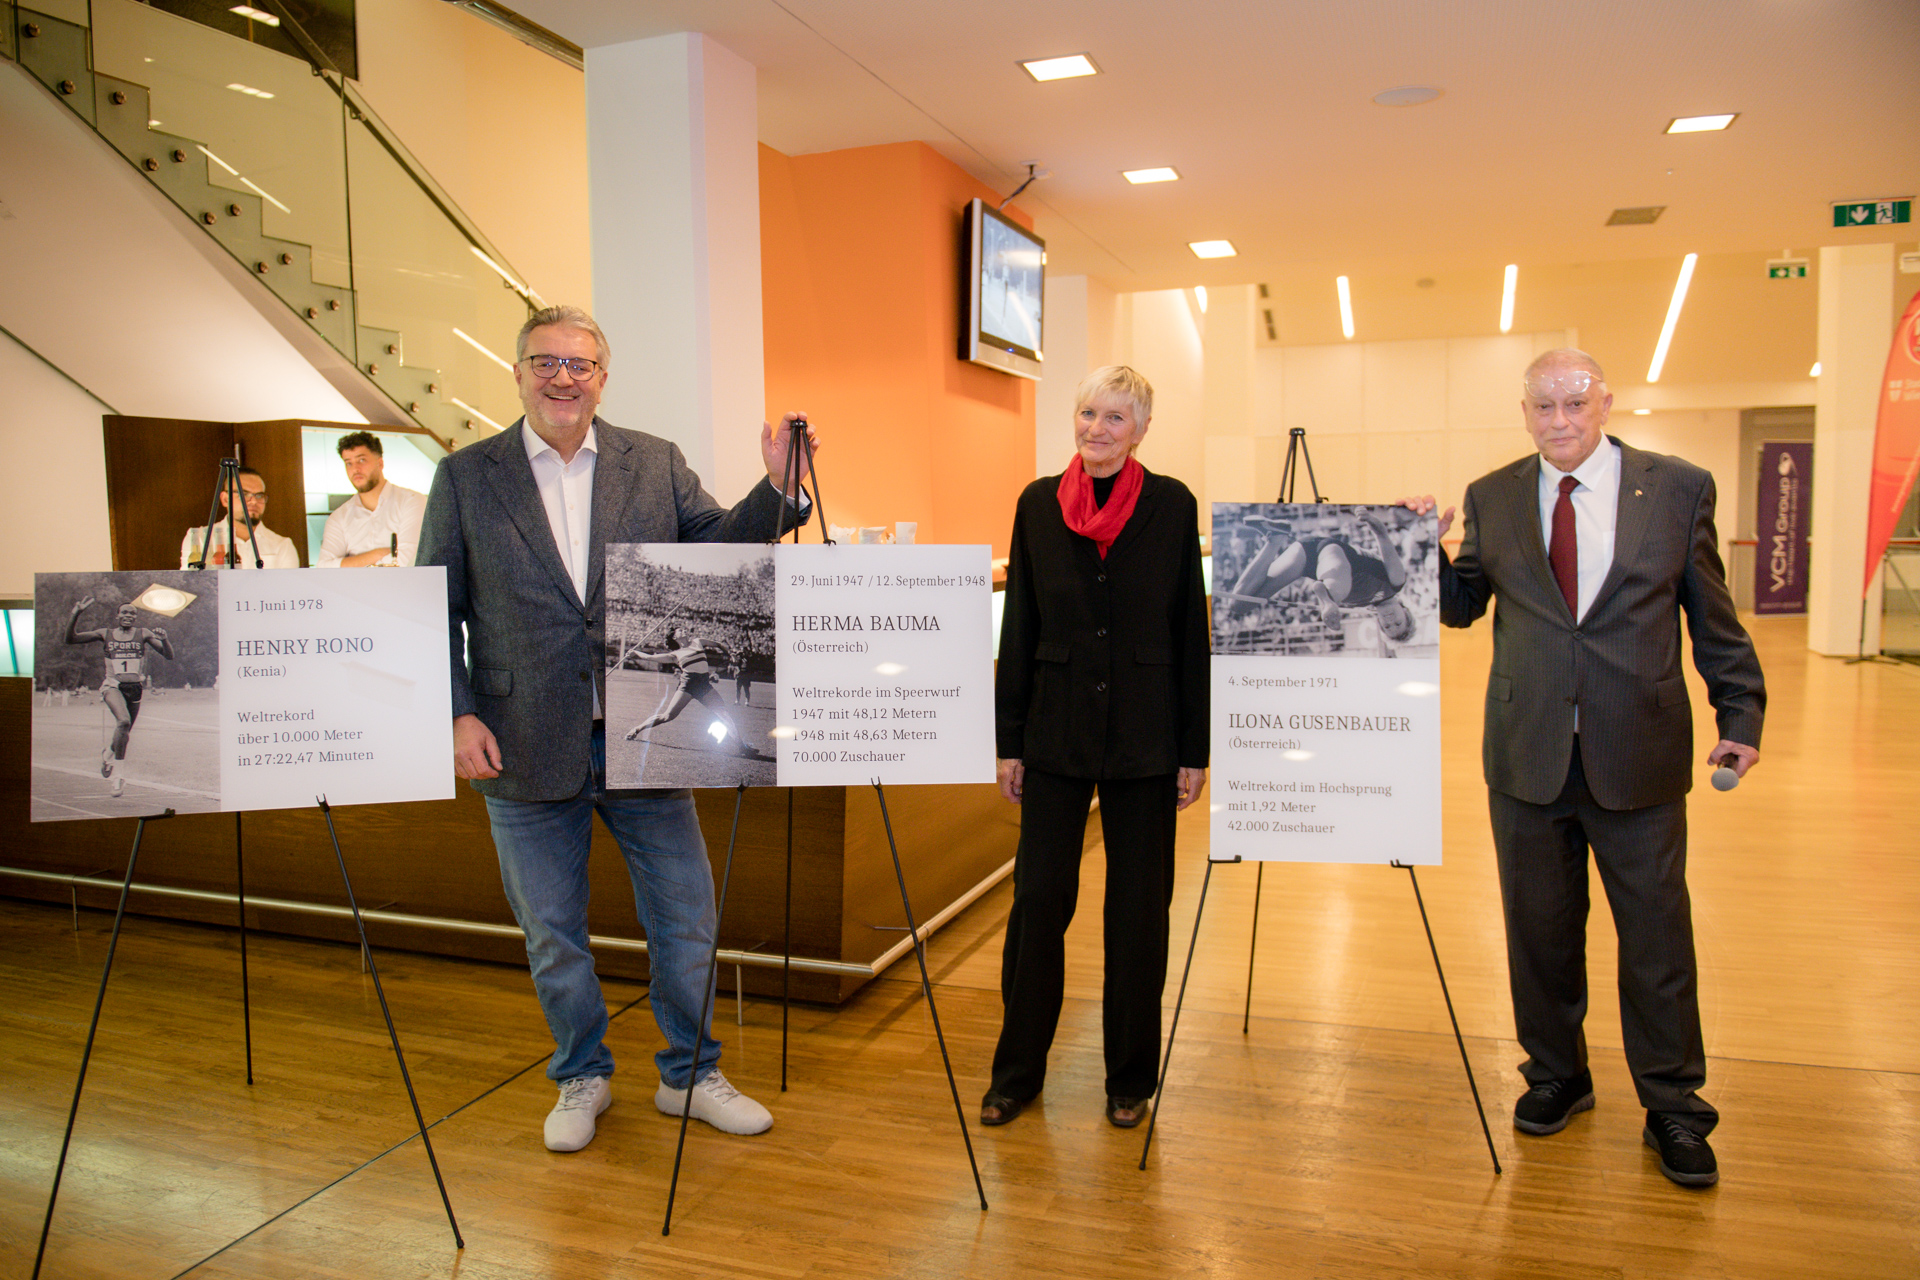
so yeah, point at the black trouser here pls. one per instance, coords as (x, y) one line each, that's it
(1642, 857)
(1137, 815)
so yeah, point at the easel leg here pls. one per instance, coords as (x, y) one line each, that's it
(706, 1008)
(926, 986)
(1253, 943)
(1457, 1038)
(240, 893)
(786, 948)
(366, 954)
(1179, 1000)
(86, 1054)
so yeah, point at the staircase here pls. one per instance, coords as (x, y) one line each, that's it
(56, 53)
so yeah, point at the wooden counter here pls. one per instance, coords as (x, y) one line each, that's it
(436, 859)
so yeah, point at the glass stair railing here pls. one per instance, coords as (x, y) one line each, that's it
(283, 164)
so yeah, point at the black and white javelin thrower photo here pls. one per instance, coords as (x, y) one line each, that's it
(1340, 581)
(133, 725)
(690, 666)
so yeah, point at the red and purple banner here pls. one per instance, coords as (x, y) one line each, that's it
(1896, 440)
(1780, 527)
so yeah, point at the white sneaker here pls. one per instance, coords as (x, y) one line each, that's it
(570, 1123)
(718, 1103)
(119, 787)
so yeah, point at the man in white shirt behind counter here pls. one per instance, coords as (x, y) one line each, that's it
(380, 524)
(274, 550)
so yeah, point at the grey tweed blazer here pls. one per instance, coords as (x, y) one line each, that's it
(1620, 665)
(537, 650)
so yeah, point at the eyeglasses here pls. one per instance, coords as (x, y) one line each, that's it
(247, 495)
(547, 366)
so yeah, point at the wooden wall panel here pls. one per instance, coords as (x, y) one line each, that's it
(436, 858)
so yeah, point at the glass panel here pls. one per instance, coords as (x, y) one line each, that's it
(422, 284)
(263, 151)
(10, 35)
(260, 130)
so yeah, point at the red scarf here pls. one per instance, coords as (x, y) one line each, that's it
(1085, 517)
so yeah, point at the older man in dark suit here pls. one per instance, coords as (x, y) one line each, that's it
(522, 521)
(1596, 551)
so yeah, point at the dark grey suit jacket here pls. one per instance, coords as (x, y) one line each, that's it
(537, 649)
(1621, 664)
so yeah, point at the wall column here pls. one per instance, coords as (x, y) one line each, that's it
(1856, 321)
(674, 197)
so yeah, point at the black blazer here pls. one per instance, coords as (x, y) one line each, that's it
(1103, 663)
(1620, 664)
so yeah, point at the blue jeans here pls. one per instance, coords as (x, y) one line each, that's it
(543, 866)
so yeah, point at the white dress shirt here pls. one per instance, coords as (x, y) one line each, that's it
(1596, 506)
(353, 529)
(566, 491)
(276, 551)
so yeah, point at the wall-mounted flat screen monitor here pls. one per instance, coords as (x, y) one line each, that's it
(1005, 267)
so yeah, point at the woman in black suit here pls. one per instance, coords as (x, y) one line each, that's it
(1102, 685)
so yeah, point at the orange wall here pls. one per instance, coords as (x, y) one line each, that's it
(859, 261)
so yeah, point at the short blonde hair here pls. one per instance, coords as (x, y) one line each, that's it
(1117, 380)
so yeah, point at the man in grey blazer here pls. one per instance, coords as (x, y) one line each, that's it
(522, 521)
(1596, 551)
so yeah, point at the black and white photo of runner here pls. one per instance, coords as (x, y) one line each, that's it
(126, 717)
(1346, 581)
(690, 667)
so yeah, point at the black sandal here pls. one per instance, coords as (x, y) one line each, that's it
(1004, 1109)
(1136, 1107)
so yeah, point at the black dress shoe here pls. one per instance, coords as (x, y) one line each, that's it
(998, 1108)
(1546, 1107)
(1685, 1156)
(1135, 1110)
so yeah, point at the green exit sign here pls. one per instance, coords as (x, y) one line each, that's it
(1786, 269)
(1872, 213)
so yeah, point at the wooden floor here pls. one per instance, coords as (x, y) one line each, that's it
(1334, 1138)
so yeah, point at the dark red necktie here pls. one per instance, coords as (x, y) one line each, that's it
(1563, 548)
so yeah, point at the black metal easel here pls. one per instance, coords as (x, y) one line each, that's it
(106, 971)
(229, 486)
(799, 462)
(1297, 457)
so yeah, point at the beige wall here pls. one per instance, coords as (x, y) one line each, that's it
(502, 128)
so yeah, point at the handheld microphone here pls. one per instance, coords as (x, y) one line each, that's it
(393, 547)
(1724, 778)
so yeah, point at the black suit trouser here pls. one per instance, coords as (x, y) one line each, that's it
(1642, 858)
(1137, 816)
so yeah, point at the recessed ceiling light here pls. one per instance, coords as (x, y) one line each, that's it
(1078, 64)
(1212, 248)
(249, 90)
(258, 15)
(1346, 305)
(1815, 371)
(1701, 124)
(1641, 413)
(1150, 175)
(1410, 95)
(1638, 216)
(1506, 297)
